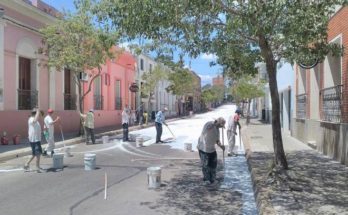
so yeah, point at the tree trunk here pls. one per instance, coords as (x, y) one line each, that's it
(248, 113)
(271, 66)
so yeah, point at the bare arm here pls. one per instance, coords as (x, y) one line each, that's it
(36, 117)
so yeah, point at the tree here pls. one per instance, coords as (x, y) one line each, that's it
(181, 84)
(77, 44)
(247, 89)
(213, 94)
(239, 32)
(151, 79)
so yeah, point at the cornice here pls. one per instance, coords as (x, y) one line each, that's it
(29, 10)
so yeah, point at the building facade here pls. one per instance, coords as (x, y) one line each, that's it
(25, 81)
(321, 110)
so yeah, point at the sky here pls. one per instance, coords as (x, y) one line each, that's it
(199, 65)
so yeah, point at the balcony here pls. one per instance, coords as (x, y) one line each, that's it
(331, 103)
(98, 102)
(301, 101)
(118, 103)
(27, 99)
(69, 102)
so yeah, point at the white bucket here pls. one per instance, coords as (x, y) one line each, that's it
(67, 152)
(90, 161)
(139, 141)
(191, 113)
(154, 177)
(188, 147)
(58, 162)
(105, 139)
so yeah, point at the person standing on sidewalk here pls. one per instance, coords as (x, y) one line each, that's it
(206, 147)
(49, 130)
(89, 125)
(159, 120)
(34, 135)
(233, 122)
(125, 123)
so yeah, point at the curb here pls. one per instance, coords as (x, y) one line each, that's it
(262, 199)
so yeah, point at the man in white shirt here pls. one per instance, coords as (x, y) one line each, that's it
(49, 131)
(125, 122)
(34, 135)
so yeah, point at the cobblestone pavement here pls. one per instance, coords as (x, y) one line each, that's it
(315, 184)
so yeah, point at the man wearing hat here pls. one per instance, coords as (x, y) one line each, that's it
(232, 131)
(206, 147)
(89, 125)
(34, 136)
(49, 131)
(159, 120)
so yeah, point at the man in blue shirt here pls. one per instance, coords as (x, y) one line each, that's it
(159, 120)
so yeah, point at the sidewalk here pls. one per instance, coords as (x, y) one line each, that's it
(315, 184)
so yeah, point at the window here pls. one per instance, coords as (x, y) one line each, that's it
(118, 99)
(98, 98)
(142, 64)
(27, 95)
(69, 96)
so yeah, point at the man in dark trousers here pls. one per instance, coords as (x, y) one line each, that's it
(159, 120)
(206, 147)
(125, 122)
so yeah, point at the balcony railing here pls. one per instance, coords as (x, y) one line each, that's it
(118, 103)
(331, 103)
(27, 99)
(69, 102)
(301, 106)
(98, 102)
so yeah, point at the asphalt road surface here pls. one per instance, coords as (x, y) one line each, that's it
(72, 190)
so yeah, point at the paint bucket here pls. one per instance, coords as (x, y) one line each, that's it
(90, 161)
(58, 160)
(191, 113)
(154, 177)
(67, 152)
(139, 141)
(188, 147)
(105, 139)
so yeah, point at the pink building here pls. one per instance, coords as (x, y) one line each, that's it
(25, 82)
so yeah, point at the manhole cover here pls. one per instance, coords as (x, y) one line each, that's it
(256, 137)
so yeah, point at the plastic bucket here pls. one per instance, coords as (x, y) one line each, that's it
(188, 147)
(139, 141)
(58, 160)
(67, 152)
(154, 177)
(90, 161)
(105, 139)
(191, 113)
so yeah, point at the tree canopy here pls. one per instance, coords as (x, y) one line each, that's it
(76, 43)
(239, 32)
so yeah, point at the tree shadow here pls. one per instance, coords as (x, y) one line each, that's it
(316, 184)
(186, 194)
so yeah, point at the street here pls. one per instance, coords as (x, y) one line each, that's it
(76, 191)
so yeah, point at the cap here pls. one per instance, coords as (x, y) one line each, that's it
(49, 110)
(91, 110)
(34, 110)
(221, 121)
(238, 111)
(165, 108)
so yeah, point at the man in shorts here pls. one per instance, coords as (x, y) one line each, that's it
(34, 131)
